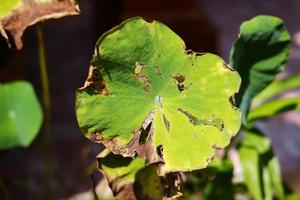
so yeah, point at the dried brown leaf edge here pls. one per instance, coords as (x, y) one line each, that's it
(31, 12)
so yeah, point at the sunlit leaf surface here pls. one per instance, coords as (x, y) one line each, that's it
(147, 94)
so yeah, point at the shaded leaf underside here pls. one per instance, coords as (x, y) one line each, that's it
(132, 179)
(145, 94)
(17, 15)
(259, 54)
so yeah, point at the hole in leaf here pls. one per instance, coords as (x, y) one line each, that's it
(115, 161)
(167, 123)
(95, 83)
(138, 75)
(189, 52)
(216, 122)
(179, 78)
(139, 68)
(145, 133)
(159, 150)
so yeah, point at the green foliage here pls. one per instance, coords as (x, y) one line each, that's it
(142, 76)
(220, 187)
(274, 107)
(21, 115)
(279, 86)
(147, 96)
(260, 167)
(7, 6)
(259, 54)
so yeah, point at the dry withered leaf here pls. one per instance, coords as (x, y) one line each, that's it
(17, 15)
(134, 179)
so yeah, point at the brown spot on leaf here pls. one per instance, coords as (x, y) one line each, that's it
(213, 121)
(179, 78)
(139, 75)
(95, 81)
(226, 66)
(125, 192)
(127, 150)
(167, 123)
(32, 12)
(145, 149)
(191, 52)
(158, 71)
(148, 150)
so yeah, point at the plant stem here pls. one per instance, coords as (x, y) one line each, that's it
(47, 113)
(4, 190)
(94, 187)
(44, 75)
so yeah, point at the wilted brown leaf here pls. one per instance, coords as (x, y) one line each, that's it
(17, 16)
(133, 179)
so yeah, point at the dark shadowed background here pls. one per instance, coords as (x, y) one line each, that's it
(205, 26)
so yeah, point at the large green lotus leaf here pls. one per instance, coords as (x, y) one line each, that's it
(20, 115)
(259, 54)
(17, 15)
(145, 93)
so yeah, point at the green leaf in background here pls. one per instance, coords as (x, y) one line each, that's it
(260, 167)
(275, 175)
(277, 87)
(259, 54)
(273, 108)
(17, 15)
(131, 179)
(250, 162)
(141, 77)
(220, 187)
(20, 115)
(213, 182)
(255, 140)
